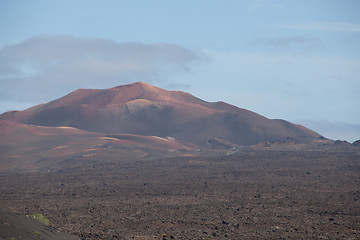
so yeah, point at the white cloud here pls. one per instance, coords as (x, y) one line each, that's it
(305, 42)
(328, 27)
(44, 67)
(284, 85)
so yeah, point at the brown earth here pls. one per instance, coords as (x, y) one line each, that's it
(143, 109)
(140, 162)
(250, 194)
(15, 226)
(29, 148)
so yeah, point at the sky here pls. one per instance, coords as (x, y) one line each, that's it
(283, 59)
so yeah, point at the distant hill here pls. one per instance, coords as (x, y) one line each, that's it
(146, 110)
(28, 147)
(130, 122)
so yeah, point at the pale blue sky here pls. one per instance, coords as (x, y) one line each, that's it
(295, 60)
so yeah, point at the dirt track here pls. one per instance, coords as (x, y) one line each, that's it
(248, 195)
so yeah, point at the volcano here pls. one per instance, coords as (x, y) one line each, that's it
(142, 109)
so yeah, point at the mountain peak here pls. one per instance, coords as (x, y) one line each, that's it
(140, 108)
(142, 85)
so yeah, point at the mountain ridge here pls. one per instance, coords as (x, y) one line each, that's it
(143, 109)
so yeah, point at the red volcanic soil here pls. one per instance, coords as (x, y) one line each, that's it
(27, 147)
(140, 162)
(143, 109)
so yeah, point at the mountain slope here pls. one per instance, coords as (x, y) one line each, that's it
(27, 147)
(143, 109)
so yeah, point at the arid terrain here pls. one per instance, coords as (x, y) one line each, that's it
(133, 121)
(142, 109)
(140, 162)
(251, 194)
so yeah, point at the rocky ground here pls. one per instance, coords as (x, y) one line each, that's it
(251, 194)
(16, 226)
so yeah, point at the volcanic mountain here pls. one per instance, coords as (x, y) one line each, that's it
(143, 109)
(26, 147)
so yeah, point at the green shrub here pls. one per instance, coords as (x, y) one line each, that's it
(41, 218)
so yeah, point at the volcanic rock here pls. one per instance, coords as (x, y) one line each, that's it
(143, 109)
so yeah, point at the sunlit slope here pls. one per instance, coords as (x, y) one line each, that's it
(143, 109)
